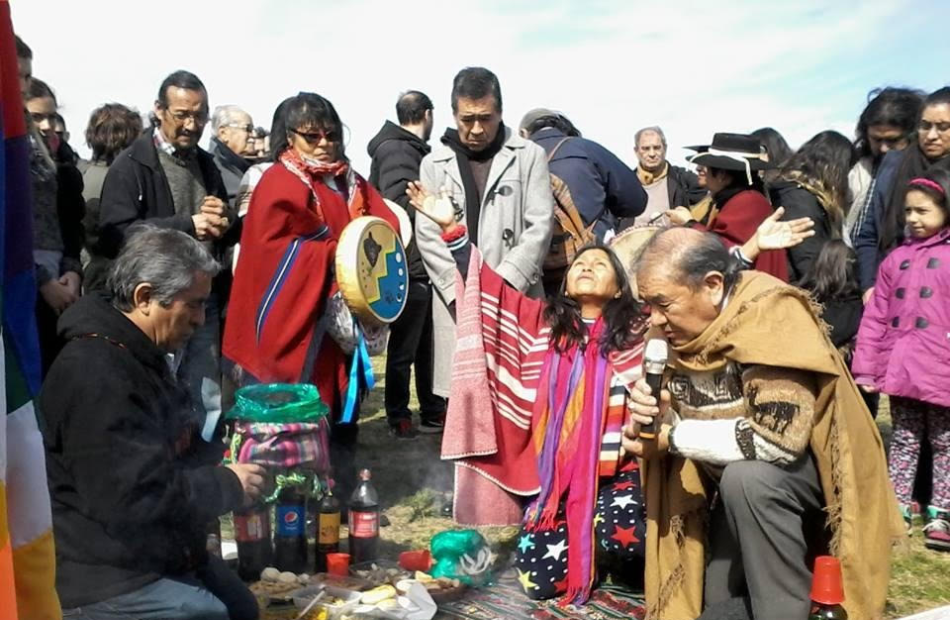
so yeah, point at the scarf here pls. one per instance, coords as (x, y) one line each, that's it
(913, 164)
(570, 420)
(465, 156)
(648, 178)
(769, 322)
(311, 172)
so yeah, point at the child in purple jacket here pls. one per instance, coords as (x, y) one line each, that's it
(903, 347)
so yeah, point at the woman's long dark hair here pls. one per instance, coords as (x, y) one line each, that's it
(821, 165)
(914, 164)
(308, 110)
(622, 315)
(775, 145)
(833, 275)
(278, 131)
(895, 107)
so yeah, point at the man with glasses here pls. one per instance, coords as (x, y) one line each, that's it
(167, 180)
(233, 133)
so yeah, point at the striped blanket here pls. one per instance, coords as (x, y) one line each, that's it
(502, 343)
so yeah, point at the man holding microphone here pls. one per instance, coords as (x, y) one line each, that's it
(760, 432)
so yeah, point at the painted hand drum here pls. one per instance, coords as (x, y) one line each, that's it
(627, 245)
(371, 270)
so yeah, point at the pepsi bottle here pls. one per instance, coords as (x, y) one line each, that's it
(290, 537)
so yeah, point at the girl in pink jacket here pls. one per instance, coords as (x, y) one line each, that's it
(903, 347)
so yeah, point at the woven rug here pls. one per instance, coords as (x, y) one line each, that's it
(506, 600)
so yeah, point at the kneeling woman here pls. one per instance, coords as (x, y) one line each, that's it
(556, 376)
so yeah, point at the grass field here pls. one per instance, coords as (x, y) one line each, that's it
(412, 482)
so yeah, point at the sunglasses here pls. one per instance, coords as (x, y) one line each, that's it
(315, 137)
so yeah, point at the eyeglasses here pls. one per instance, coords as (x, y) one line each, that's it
(180, 117)
(334, 135)
(246, 128)
(927, 126)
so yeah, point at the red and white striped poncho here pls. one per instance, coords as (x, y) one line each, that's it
(502, 342)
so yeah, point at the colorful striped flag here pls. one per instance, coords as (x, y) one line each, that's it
(27, 558)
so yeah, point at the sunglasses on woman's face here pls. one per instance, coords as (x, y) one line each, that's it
(314, 137)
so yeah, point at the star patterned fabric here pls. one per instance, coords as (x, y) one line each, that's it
(620, 527)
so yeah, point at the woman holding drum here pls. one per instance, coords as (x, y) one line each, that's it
(284, 312)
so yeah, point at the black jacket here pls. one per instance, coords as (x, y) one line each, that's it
(602, 187)
(397, 155)
(135, 190)
(683, 187)
(71, 207)
(132, 484)
(844, 318)
(799, 202)
(231, 166)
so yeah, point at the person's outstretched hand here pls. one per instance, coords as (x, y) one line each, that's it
(438, 209)
(775, 235)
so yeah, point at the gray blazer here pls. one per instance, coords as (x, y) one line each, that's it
(514, 231)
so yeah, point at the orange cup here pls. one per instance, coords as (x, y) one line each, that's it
(338, 564)
(826, 587)
(416, 560)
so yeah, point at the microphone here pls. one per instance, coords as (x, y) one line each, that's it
(654, 363)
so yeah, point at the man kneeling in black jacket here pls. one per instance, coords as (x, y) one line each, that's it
(133, 486)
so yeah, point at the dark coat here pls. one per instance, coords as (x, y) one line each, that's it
(397, 155)
(799, 202)
(71, 208)
(136, 190)
(602, 187)
(866, 243)
(683, 187)
(843, 316)
(132, 485)
(231, 166)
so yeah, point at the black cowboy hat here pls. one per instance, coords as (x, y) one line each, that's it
(731, 151)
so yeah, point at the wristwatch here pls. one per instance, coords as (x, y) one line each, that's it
(671, 445)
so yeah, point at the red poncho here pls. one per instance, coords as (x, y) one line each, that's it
(284, 277)
(737, 222)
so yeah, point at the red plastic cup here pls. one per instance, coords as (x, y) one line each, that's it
(826, 588)
(415, 560)
(338, 564)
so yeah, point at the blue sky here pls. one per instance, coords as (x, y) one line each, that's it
(612, 66)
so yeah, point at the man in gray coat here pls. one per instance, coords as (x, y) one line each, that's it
(501, 188)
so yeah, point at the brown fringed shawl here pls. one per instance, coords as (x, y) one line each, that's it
(771, 323)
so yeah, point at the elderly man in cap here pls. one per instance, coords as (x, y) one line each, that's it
(739, 205)
(601, 188)
(763, 435)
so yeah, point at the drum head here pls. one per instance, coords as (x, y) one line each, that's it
(627, 245)
(371, 270)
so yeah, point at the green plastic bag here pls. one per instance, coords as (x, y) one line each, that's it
(278, 403)
(462, 554)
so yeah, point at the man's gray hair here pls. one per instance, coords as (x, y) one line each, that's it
(224, 115)
(654, 129)
(167, 259)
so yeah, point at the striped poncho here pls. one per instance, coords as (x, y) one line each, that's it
(506, 387)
